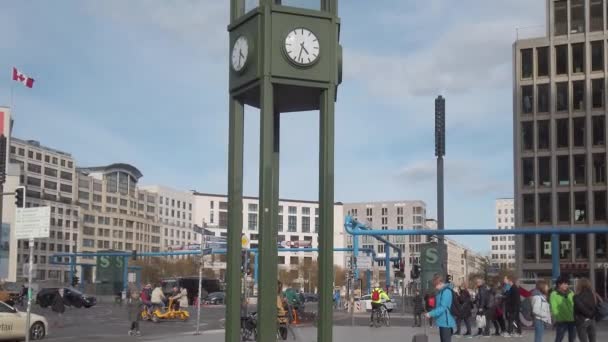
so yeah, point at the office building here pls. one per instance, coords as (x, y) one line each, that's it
(559, 125)
(503, 246)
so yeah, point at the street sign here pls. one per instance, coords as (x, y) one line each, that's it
(26, 270)
(32, 223)
(213, 238)
(244, 241)
(364, 262)
(207, 251)
(430, 262)
(215, 245)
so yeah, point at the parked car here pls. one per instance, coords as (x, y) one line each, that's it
(367, 300)
(12, 326)
(215, 298)
(10, 293)
(71, 297)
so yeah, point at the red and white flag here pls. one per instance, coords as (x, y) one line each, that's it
(23, 78)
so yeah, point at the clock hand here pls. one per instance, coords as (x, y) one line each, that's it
(239, 63)
(241, 53)
(302, 45)
(300, 55)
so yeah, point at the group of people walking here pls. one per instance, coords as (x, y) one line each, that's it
(501, 307)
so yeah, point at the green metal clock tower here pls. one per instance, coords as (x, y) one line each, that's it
(282, 59)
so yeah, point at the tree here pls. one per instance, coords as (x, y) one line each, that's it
(287, 277)
(339, 276)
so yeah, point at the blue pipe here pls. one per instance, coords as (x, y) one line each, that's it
(355, 255)
(555, 256)
(387, 252)
(350, 224)
(255, 267)
(72, 268)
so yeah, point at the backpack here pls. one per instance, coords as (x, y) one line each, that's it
(455, 308)
(376, 295)
(526, 309)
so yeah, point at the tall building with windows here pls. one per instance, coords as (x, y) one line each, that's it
(298, 227)
(50, 178)
(559, 121)
(503, 246)
(175, 215)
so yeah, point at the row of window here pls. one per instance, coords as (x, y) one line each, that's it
(564, 137)
(562, 96)
(577, 16)
(577, 246)
(31, 154)
(569, 59)
(503, 238)
(167, 200)
(506, 211)
(503, 247)
(48, 171)
(569, 207)
(175, 233)
(506, 219)
(384, 211)
(578, 163)
(502, 256)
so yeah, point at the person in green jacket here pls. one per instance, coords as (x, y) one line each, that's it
(562, 310)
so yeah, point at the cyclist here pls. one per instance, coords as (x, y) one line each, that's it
(379, 297)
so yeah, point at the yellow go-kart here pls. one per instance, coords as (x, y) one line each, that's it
(169, 312)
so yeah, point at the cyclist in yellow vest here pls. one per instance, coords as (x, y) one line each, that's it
(379, 297)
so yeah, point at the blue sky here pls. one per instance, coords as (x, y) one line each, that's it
(145, 82)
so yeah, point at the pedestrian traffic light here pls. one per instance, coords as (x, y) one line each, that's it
(75, 280)
(19, 196)
(415, 272)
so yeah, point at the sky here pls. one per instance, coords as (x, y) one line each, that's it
(145, 82)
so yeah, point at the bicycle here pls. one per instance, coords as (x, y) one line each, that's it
(381, 316)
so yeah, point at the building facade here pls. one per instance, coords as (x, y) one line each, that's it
(50, 178)
(503, 246)
(559, 121)
(175, 215)
(298, 227)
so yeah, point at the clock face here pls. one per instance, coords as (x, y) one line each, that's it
(240, 52)
(302, 47)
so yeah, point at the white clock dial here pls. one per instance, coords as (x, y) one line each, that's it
(240, 52)
(302, 46)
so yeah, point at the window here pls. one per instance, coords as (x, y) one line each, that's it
(50, 172)
(563, 203)
(580, 207)
(33, 181)
(544, 208)
(561, 100)
(294, 260)
(599, 205)
(527, 135)
(600, 245)
(528, 208)
(565, 246)
(252, 221)
(563, 170)
(578, 95)
(526, 63)
(543, 135)
(582, 246)
(577, 16)
(305, 211)
(50, 185)
(527, 99)
(578, 132)
(599, 168)
(280, 223)
(562, 133)
(292, 210)
(223, 220)
(34, 168)
(561, 59)
(597, 55)
(579, 161)
(596, 15)
(66, 175)
(545, 246)
(530, 247)
(597, 95)
(542, 98)
(544, 171)
(542, 56)
(528, 172)
(305, 224)
(292, 223)
(599, 130)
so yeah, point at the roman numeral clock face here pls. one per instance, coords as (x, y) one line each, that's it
(302, 47)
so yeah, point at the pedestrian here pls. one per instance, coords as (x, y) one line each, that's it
(482, 301)
(561, 301)
(466, 306)
(133, 314)
(512, 307)
(585, 310)
(23, 295)
(541, 311)
(418, 308)
(58, 307)
(443, 317)
(497, 312)
(183, 299)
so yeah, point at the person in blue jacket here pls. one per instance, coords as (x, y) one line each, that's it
(442, 315)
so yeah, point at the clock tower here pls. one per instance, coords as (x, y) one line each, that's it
(282, 59)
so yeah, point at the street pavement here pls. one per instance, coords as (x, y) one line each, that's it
(107, 322)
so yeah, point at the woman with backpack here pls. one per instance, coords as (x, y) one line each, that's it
(443, 316)
(541, 310)
(585, 310)
(465, 306)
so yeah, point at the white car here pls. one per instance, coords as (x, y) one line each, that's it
(367, 300)
(12, 324)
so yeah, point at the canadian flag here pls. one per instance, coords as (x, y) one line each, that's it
(23, 78)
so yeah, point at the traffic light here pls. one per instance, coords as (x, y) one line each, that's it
(19, 196)
(402, 266)
(396, 264)
(415, 272)
(75, 280)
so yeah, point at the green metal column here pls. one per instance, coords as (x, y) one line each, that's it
(326, 215)
(235, 220)
(268, 259)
